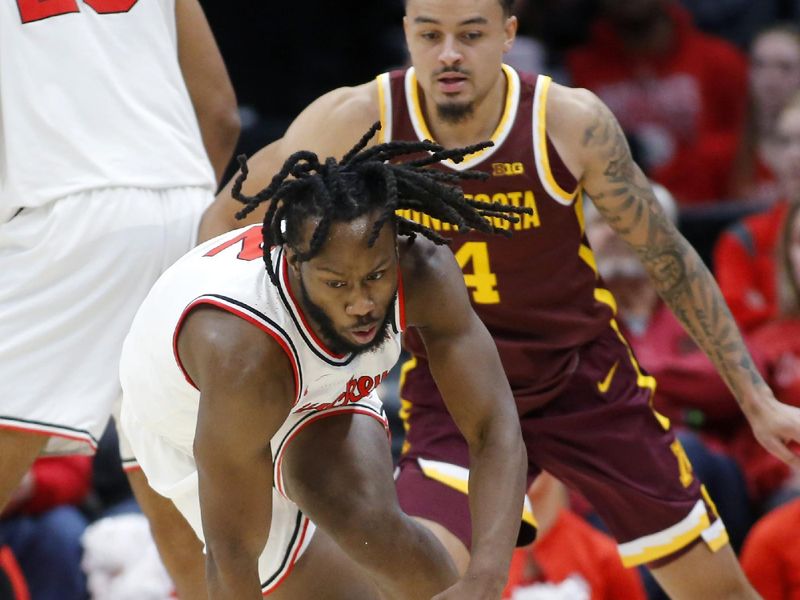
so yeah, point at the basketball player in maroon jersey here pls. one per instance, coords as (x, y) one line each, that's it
(583, 401)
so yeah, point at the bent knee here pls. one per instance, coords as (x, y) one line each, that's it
(366, 528)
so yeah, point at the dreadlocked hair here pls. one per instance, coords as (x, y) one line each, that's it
(366, 180)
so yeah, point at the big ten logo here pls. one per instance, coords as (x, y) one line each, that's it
(355, 390)
(522, 198)
(506, 169)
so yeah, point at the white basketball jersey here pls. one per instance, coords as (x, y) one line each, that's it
(92, 95)
(228, 272)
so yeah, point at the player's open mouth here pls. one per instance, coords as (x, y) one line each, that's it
(364, 335)
(451, 83)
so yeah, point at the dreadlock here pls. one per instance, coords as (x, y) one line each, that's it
(363, 181)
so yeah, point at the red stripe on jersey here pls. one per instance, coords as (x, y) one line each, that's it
(242, 315)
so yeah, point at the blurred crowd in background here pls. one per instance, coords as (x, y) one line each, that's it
(708, 93)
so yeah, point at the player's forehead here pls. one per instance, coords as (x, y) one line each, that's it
(346, 248)
(454, 12)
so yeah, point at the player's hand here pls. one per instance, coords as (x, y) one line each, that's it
(468, 588)
(777, 427)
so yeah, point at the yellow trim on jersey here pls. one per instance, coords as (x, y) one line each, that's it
(457, 478)
(541, 122)
(579, 209)
(512, 91)
(658, 545)
(379, 80)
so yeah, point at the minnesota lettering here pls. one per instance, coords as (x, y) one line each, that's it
(523, 198)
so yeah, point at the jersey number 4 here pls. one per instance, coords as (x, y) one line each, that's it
(482, 282)
(36, 10)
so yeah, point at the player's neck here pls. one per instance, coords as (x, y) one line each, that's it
(478, 127)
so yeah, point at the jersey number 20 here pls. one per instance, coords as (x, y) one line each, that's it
(36, 10)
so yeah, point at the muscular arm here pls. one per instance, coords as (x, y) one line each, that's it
(246, 393)
(209, 87)
(587, 132)
(330, 126)
(465, 364)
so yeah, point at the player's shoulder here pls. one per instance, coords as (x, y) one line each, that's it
(219, 345)
(355, 106)
(334, 122)
(421, 258)
(577, 122)
(568, 106)
(432, 280)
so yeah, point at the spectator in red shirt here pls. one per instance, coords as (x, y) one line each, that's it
(678, 93)
(744, 256)
(569, 555)
(779, 339)
(774, 79)
(770, 557)
(43, 527)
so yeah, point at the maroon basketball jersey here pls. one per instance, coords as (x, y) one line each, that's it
(538, 291)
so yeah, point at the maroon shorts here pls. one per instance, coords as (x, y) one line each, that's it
(600, 436)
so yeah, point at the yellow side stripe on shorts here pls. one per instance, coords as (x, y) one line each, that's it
(586, 254)
(606, 297)
(709, 501)
(456, 477)
(716, 536)
(658, 545)
(642, 380)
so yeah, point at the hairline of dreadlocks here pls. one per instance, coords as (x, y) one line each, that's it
(368, 180)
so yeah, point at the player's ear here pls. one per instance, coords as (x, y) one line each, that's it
(292, 258)
(510, 28)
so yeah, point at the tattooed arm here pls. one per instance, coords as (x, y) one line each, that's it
(591, 141)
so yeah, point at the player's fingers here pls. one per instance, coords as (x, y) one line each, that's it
(782, 451)
(793, 446)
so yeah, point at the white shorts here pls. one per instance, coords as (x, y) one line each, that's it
(73, 275)
(172, 472)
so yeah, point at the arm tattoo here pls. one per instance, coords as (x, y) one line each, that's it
(623, 196)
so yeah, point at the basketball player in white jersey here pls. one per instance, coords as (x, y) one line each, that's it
(117, 119)
(249, 386)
